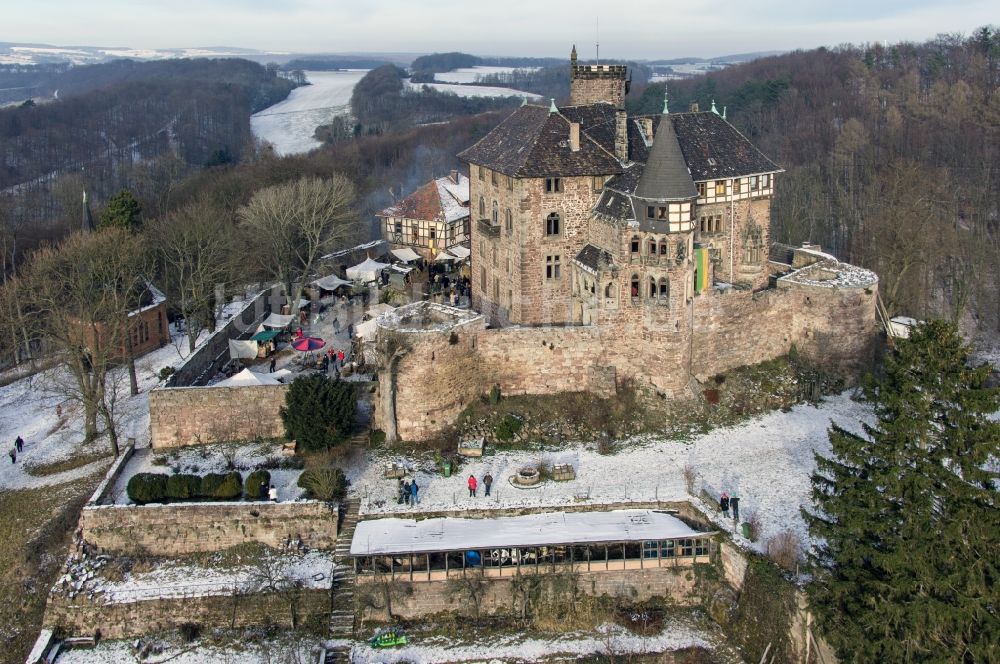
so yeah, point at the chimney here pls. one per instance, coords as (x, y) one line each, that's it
(621, 135)
(574, 136)
(647, 129)
(694, 107)
(454, 176)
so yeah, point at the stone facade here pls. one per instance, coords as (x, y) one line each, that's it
(83, 617)
(180, 529)
(181, 416)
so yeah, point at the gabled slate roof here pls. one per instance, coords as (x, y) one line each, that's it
(532, 142)
(713, 148)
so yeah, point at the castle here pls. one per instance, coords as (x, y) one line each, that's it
(607, 246)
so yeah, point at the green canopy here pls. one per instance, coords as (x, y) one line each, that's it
(266, 335)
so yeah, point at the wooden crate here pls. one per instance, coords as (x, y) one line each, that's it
(563, 472)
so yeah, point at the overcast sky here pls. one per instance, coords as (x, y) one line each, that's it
(642, 29)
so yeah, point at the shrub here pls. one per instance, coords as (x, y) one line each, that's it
(376, 438)
(189, 631)
(507, 427)
(319, 412)
(230, 488)
(324, 483)
(785, 550)
(256, 480)
(147, 488)
(209, 483)
(183, 487)
(166, 372)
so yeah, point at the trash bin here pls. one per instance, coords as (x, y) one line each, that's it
(746, 530)
(446, 468)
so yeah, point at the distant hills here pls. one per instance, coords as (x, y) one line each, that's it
(29, 53)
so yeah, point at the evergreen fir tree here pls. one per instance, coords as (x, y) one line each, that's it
(123, 210)
(908, 513)
(319, 412)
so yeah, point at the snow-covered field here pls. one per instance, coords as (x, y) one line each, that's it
(31, 408)
(474, 90)
(766, 461)
(289, 125)
(471, 74)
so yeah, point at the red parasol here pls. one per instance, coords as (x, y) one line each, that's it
(307, 344)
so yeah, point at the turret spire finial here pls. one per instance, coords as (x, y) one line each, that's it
(666, 106)
(714, 109)
(572, 55)
(552, 105)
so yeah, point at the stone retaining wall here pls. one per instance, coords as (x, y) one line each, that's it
(179, 529)
(197, 415)
(81, 617)
(661, 347)
(420, 599)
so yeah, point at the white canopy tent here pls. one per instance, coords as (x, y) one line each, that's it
(277, 321)
(331, 282)
(460, 251)
(444, 256)
(247, 378)
(367, 271)
(406, 254)
(243, 350)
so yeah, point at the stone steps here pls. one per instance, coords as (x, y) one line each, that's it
(342, 611)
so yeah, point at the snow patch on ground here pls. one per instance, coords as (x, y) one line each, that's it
(766, 461)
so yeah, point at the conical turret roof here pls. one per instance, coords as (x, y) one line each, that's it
(666, 175)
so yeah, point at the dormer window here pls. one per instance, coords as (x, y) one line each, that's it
(661, 212)
(711, 161)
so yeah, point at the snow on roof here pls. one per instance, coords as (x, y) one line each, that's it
(388, 536)
(331, 282)
(247, 378)
(443, 199)
(277, 320)
(831, 273)
(460, 251)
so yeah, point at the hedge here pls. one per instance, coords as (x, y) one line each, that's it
(147, 488)
(183, 487)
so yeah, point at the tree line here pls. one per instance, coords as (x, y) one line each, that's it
(890, 153)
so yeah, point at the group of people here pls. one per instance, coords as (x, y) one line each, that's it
(474, 485)
(409, 492)
(727, 502)
(17, 449)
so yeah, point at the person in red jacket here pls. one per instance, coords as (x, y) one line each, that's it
(472, 486)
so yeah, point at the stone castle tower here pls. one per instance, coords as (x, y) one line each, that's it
(591, 84)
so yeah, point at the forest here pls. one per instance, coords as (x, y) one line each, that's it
(891, 161)
(424, 67)
(112, 124)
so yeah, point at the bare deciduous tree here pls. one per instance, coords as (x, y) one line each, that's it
(82, 291)
(194, 252)
(290, 226)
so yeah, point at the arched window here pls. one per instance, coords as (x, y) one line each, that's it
(496, 213)
(609, 290)
(652, 246)
(663, 248)
(552, 224)
(509, 221)
(482, 207)
(635, 286)
(652, 289)
(663, 291)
